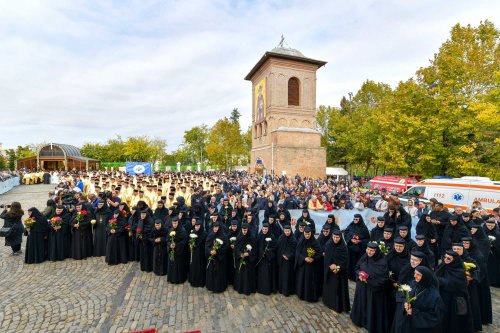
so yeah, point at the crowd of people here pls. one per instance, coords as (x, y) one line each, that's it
(205, 228)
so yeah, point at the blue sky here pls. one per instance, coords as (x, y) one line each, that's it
(85, 71)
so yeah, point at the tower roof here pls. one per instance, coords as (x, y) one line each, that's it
(283, 53)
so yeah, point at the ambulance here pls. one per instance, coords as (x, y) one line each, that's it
(391, 183)
(457, 192)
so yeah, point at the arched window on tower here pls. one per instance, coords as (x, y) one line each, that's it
(293, 91)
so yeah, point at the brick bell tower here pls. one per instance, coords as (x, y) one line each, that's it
(284, 135)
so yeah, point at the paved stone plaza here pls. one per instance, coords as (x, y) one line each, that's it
(90, 296)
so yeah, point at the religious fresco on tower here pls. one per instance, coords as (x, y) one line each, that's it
(260, 101)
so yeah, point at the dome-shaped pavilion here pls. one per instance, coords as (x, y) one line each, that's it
(55, 156)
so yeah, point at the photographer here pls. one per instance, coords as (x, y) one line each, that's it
(14, 235)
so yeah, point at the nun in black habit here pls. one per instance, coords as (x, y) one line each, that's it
(457, 317)
(472, 285)
(335, 281)
(198, 264)
(369, 308)
(423, 246)
(36, 244)
(356, 236)
(428, 229)
(102, 215)
(307, 256)
(481, 240)
(492, 231)
(145, 226)
(60, 237)
(161, 212)
(116, 249)
(285, 256)
(306, 217)
(246, 252)
(134, 242)
(177, 251)
(406, 276)
(267, 282)
(483, 283)
(377, 233)
(216, 279)
(234, 231)
(330, 220)
(81, 240)
(425, 313)
(160, 255)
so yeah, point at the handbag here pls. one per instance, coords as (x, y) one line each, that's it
(460, 305)
(5, 231)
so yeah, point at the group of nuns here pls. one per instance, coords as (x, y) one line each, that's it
(217, 249)
(448, 268)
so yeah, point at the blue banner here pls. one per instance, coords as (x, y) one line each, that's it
(139, 168)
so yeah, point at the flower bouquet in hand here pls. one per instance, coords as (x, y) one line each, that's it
(192, 244)
(310, 252)
(215, 247)
(80, 215)
(113, 224)
(232, 240)
(268, 240)
(492, 240)
(127, 228)
(172, 241)
(248, 248)
(28, 223)
(383, 248)
(470, 270)
(56, 222)
(363, 276)
(138, 232)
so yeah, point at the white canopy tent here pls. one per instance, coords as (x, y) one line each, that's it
(331, 171)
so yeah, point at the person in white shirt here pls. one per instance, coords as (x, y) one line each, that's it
(411, 209)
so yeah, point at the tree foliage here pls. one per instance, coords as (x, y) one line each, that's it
(137, 148)
(444, 121)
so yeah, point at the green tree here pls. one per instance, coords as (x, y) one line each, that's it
(3, 162)
(195, 141)
(23, 152)
(225, 145)
(95, 150)
(235, 116)
(11, 153)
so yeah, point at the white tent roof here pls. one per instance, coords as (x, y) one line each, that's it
(336, 171)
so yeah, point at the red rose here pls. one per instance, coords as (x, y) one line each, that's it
(138, 230)
(84, 212)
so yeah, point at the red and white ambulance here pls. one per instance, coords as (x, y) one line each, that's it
(391, 183)
(458, 192)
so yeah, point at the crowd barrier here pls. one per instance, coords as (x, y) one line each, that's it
(343, 217)
(8, 184)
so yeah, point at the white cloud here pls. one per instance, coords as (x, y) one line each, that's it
(75, 71)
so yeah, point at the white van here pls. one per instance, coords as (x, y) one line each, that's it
(457, 192)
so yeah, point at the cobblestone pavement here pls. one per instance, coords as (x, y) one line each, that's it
(90, 296)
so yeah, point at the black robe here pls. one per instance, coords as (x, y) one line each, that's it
(216, 278)
(102, 217)
(198, 260)
(276, 229)
(177, 272)
(133, 242)
(145, 244)
(60, 240)
(160, 253)
(286, 246)
(306, 283)
(377, 234)
(81, 240)
(453, 234)
(335, 285)
(494, 256)
(483, 285)
(231, 256)
(267, 279)
(453, 284)
(308, 220)
(356, 251)
(36, 244)
(116, 246)
(245, 281)
(399, 323)
(427, 308)
(429, 255)
(370, 308)
(429, 231)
